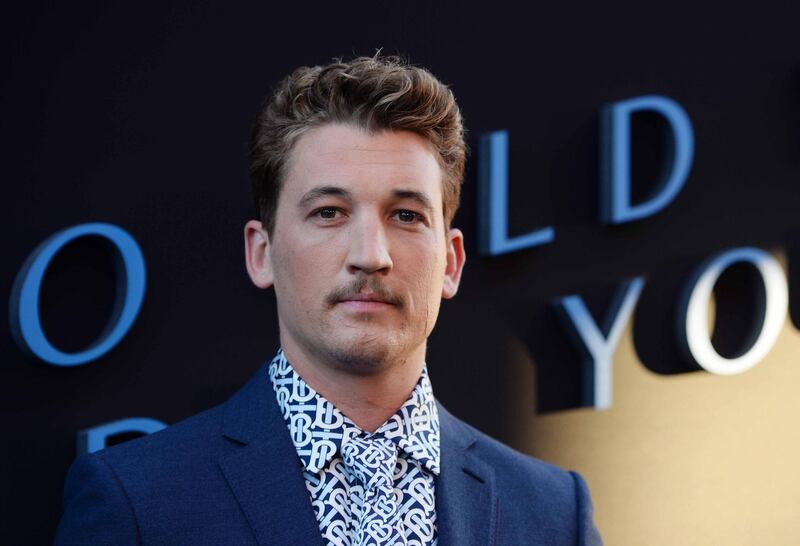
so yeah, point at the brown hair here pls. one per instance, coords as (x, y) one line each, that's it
(375, 93)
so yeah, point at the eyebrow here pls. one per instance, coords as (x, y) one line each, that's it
(414, 195)
(326, 191)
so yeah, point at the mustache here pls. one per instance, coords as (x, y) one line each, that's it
(372, 285)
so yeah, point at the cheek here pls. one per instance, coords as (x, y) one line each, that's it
(304, 272)
(290, 285)
(305, 263)
(426, 285)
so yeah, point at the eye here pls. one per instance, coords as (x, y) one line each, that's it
(326, 213)
(408, 216)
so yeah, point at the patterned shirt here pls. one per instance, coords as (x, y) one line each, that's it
(319, 430)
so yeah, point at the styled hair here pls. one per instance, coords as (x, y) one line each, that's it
(374, 93)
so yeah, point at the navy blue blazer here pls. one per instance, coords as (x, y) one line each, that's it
(231, 475)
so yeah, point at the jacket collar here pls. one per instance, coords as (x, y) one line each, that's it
(274, 499)
(276, 502)
(466, 501)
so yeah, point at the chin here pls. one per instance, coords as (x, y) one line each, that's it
(364, 356)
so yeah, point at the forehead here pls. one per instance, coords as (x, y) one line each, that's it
(368, 162)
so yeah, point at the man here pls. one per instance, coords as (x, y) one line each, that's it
(356, 171)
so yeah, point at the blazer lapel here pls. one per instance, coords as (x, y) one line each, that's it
(264, 471)
(466, 503)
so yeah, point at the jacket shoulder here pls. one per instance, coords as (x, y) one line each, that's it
(512, 465)
(196, 435)
(199, 439)
(175, 464)
(532, 494)
(135, 492)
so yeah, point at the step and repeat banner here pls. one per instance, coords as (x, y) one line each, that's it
(631, 300)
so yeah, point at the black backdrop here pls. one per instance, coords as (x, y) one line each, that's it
(140, 116)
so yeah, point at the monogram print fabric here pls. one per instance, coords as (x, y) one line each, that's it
(349, 489)
(372, 459)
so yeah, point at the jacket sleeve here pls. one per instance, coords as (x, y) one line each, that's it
(96, 508)
(588, 535)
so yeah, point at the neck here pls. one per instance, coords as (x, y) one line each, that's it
(366, 399)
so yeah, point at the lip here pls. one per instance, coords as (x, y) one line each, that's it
(365, 302)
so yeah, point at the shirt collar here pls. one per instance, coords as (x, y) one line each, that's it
(318, 429)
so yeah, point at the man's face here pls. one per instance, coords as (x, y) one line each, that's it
(359, 256)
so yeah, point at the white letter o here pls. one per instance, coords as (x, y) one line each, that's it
(693, 311)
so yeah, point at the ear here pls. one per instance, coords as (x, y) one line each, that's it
(455, 263)
(256, 254)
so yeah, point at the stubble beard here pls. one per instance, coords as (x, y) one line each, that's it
(356, 347)
(353, 347)
(363, 352)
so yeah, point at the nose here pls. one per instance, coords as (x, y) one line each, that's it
(369, 248)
